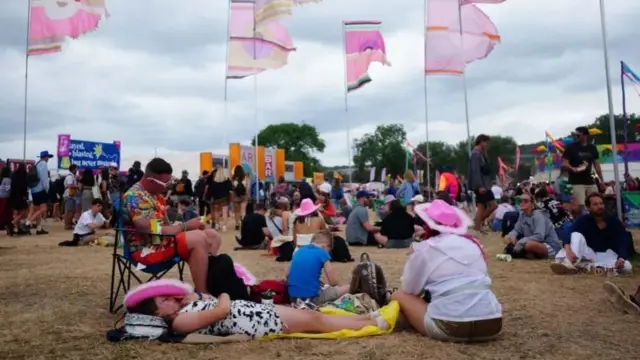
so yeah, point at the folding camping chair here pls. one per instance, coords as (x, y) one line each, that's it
(126, 265)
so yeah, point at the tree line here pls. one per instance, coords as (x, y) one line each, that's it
(385, 148)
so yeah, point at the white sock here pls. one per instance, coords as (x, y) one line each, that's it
(374, 315)
(382, 323)
(28, 223)
(40, 227)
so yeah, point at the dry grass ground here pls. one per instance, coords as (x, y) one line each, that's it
(53, 305)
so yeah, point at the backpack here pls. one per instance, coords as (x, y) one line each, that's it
(33, 179)
(368, 278)
(277, 287)
(240, 189)
(340, 251)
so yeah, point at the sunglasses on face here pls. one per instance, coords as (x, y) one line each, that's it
(163, 184)
(525, 201)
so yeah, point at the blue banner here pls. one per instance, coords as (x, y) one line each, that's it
(90, 155)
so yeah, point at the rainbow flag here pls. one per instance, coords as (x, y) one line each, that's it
(631, 76)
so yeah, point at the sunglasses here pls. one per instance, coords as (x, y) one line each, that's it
(161, 183)
(525, 200)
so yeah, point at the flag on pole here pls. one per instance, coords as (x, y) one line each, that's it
(631, 76)
(51, 22)
(372, 174)
(448, 51)
(517, 157)
(383, 174)
(269, 10)
(254, 49)
(364, 44)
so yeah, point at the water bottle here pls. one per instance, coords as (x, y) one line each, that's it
(267, 298)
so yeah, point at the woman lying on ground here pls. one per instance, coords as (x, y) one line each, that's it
(451, 267)
(204, 314)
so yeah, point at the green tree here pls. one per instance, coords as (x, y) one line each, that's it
(440, 154)
(602, 123)
(383, 149)
(299, 141)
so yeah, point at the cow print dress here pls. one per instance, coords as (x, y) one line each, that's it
(245, 318)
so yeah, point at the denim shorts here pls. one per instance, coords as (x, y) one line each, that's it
(398, 244)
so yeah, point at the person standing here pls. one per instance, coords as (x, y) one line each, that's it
(39, 181)
(480, 180)
(200, 194)
(70, 196)
(580, 159)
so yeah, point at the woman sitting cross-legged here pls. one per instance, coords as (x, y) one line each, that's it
(396, 231)
(205, 314)
(451, 267)
(533, 235)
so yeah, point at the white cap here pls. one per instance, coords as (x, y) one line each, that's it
(389, 198)
(418, 199)
(113, 165)
(325, 188)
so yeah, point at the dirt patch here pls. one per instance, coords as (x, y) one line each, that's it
(53, 305)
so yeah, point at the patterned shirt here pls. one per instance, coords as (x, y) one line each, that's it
(138, 204)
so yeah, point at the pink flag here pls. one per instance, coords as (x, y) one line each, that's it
(64, 145)
(447, 51)
(364, 44)
(51, 21)
(254, 51)
(465, 2)
(517, 157)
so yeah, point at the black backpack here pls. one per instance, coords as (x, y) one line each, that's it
(240, 189)
(340, 251)
(32, 176)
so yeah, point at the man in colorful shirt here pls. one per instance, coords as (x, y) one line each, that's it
(144, 206)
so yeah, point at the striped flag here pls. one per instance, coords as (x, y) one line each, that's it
(632, 77)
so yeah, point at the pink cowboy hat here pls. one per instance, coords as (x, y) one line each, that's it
(444, 218)
(306, 207)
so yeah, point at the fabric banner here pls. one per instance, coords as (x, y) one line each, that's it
(248, 159)
(64, 145)
(270, 165)
(631, 205)
(13, 164)
(363, 44)
(318, 178)
(372, 174)
(383, 174)
(90, 155)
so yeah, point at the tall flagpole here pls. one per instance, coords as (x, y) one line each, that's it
(464, 79)
(426, 109)
(625, 119)
(346, 101)
(226, 80)
(255, 114)
(26, 85)
(612, 124)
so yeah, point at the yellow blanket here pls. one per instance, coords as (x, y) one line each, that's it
(390, 313)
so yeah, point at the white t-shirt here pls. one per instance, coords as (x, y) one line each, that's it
(69, 180)
(503, 209)
(497, 191)
(82, 227)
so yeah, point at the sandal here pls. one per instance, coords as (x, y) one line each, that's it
(621, 300)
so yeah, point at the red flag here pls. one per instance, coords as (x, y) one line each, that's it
(517, 157)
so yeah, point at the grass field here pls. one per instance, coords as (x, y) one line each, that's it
(53, 305)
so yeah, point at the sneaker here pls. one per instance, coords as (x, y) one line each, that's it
(42, 232)
(563, 268)
(621, 300)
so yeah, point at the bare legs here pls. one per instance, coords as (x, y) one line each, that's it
(201, 244)
(413, 308)
(215, 210)
(225, 215)
(311, 322)
(483, 211)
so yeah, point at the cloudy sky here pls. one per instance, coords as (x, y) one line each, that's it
(152, 76)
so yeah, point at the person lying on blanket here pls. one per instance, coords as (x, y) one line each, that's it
(205, 314)
(303, 277)
(451, 267)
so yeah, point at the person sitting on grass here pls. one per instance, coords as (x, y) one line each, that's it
(184, 208)
(598, 242)
(496, 217)
(560, 218)
(307, 222)
(359, 230)
(205, 314)
(85, 230)
(254, 230)
(451, 268)
(397, 229)
(303, 276)
(533, 235)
